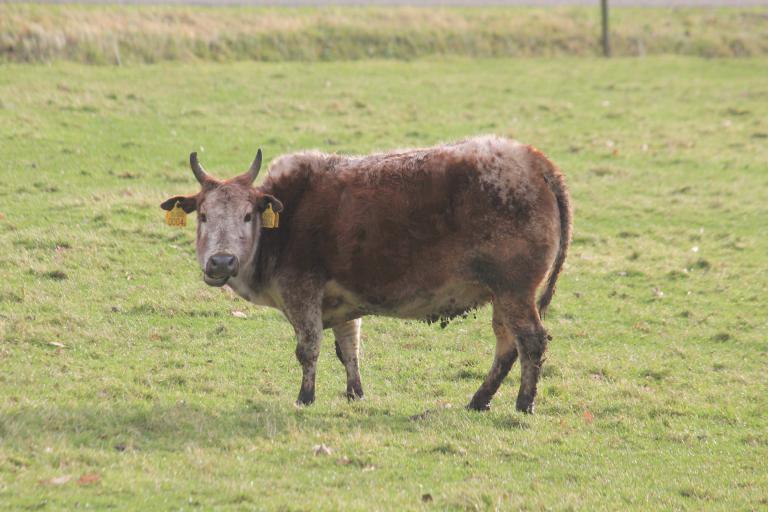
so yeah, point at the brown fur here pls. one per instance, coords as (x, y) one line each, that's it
(427, 233)
(556, 182)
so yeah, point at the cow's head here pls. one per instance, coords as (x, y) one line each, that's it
(228, 220)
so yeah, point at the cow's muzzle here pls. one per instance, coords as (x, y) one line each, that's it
(219, 268)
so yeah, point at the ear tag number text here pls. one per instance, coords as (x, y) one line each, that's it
(176, 217)
(270, 219)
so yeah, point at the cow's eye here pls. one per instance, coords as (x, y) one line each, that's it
(247, 217)
(203, 218)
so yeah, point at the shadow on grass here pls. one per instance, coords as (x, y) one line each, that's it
(170, 427)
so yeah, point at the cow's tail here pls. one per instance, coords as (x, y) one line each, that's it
(556, 182)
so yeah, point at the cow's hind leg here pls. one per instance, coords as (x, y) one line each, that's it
(348, 351)
(521, 317)
(506, 354)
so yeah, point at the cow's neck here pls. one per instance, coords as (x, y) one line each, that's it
(242, 285)
(253, 281)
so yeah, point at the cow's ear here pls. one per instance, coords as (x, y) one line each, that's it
(187, 203)
(265, 199)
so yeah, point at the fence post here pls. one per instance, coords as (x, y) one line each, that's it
(606, 37)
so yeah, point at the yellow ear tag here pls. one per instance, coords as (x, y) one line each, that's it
(270, 219)
(176, 217)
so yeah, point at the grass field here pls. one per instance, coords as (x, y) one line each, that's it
(112, 35)
(126, 383)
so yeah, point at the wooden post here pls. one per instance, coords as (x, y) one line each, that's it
(606, 37)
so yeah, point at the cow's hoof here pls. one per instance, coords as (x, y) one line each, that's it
(479, 405)
(354, 395)
(524, 406)
(305, 398)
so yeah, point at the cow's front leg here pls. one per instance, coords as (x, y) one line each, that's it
(308, 336)
(302, 308)
(348, 351)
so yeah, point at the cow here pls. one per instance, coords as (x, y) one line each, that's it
(429, 233)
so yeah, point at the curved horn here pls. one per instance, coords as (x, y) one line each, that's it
(253, 171)
(200, 174)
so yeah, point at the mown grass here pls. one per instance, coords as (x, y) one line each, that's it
(117, 361)
(118, 35)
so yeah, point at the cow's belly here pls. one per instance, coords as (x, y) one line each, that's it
(439, 304)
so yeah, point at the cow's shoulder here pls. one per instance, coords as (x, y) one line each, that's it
(300, 165)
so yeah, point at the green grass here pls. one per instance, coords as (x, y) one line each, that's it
(116, 359)
(124, 34)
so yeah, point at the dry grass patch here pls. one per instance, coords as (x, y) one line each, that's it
(119, 34)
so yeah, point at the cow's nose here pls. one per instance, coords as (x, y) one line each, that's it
(221, 265)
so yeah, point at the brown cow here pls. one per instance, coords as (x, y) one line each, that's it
(424, 233)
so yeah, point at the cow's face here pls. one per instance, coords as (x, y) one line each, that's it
(228, 220)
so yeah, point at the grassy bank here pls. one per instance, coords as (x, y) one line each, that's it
(114, 34)
(126, 383)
